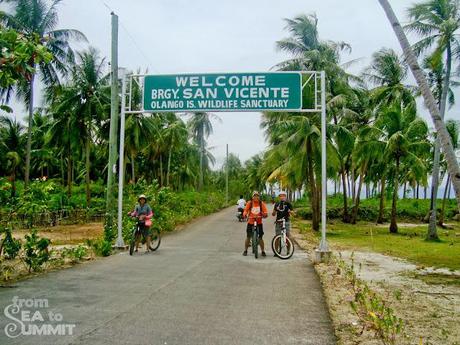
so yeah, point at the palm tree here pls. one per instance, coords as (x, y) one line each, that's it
(200, 127)
(405, 136)
(63, 134)
(367, 152)
(42, 156)
(254, 179)
(175, 136)
(139, 130)
(454, 130)
(12, 140)
(87, 98)
(294, 153)
(430, 102)
(388, 72)
(39, 17)
(309, 52)
(438, 23)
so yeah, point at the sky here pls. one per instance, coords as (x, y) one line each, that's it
(180, 36)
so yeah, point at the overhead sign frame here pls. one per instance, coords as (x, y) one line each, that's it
(317, 82)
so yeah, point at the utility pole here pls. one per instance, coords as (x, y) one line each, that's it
(113, 153)
(226, 179)
(121, 172)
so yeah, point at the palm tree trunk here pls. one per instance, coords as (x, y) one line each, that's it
(443, 208)
(62, 169)
(133, 170)
(432, 231)
(430, 102)
(169, 165)
(418, 188)
(353, 185)
(393, 224)
(29, 129)
(382, 200)
(161, 171)
(88, 169)
(354, 214)
(313, 194)
(346, 217)
(69, 175)
(13, 183)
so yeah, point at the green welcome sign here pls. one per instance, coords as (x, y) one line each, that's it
(223, 92)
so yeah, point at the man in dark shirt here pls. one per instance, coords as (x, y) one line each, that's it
(283, 209)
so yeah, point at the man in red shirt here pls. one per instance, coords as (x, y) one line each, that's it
(255, 210)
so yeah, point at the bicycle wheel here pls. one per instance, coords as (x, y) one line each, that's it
(255, 243)
(155, 240)
(282, 251)
(132, 244)
(276, 240)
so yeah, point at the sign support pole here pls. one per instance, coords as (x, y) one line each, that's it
(121, 173)
(226, 178)
(323, 246)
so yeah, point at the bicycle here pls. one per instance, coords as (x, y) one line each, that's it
(255, 237)
(239, 215)
(155, 238)
(282, 245)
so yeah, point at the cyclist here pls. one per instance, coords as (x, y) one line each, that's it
(241, 205)
(144, 214)
(283, 209)
(255, 210)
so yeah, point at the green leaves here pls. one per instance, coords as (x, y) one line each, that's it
(18, 55)
(36, 251)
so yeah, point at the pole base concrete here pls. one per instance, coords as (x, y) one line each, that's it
(322, 256)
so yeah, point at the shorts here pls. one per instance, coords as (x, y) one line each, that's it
(240, 209)
(260, 230)
(145, 230)
(278, 228)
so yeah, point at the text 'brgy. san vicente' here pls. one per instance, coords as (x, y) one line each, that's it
(229, 92)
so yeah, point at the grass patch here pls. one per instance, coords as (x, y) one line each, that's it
(437, 278)
(409, 243)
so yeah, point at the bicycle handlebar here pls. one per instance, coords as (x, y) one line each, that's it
(258, 217)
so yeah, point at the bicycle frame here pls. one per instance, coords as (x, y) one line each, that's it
(283, 231)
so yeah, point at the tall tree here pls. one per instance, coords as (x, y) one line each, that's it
(87, 98)
(200, 127)
(175, 136)
(40, 18)
(438, 23)
(405, 136)
(430, 102)
(12, 140)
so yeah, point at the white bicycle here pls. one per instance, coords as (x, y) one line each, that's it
(282, 245)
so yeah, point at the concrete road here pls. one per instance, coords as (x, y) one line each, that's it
(197, 289)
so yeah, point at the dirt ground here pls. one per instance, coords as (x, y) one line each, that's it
(427, 299)
(62, 237)
(67, 234)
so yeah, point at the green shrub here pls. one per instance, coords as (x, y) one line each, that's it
(102, 247)
(36, 251)
(10, 246)
(75, 254)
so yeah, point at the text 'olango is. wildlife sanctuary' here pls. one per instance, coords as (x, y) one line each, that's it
(229, 92)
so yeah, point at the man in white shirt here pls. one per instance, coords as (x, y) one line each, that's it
(241, 204)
